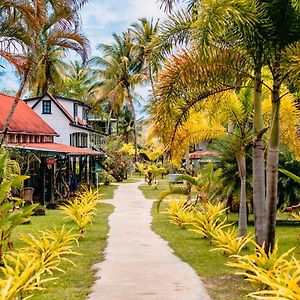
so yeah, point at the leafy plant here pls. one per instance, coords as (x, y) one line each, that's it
(23, 271)
(255, 267)
(180, 212)
(209, 219)
(11, 215)
(282, 285)
(152, 172)
(228, 241)
(296, 215)
(82, 209)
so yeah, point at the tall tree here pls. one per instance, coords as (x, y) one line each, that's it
(28, 20)
(118, 75)
(144, 33)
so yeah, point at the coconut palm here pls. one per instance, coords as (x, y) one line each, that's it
(29, 22)
(118, 76)
(144, 32)
(77, 82)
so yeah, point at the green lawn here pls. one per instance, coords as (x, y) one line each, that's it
(77, 280)
(219, 279)
(107, 191)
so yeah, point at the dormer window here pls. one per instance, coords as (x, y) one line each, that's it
(46, 106)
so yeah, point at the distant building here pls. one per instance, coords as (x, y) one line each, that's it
(69, 118)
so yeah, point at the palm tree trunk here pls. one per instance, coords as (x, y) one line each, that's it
(151, 79)
(258, 163)
(108, 122)
(134, 123)
(13, 108)
(272, 168)
(241, 161)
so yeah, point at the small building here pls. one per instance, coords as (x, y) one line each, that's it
(55, 169)
(69, 118)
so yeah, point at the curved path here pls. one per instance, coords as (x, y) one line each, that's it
(139, 264)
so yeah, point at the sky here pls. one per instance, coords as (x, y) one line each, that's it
(100, 19)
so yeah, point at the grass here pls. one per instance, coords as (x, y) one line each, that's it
(153, 191)
(107, 191)
(76, 282)
(219, 279)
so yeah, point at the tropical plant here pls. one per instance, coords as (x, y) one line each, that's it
(118, 76)
(144, 33)
(206, 185)
(228, 242)
(55, 27)
(260, 262)
(152, 172)
(128, 149)
(11, 215)
(77, 83)
(23, 271)
(181, 213)
(82, 209)
(209, 219)
(283, 285)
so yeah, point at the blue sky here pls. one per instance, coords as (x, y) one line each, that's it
(101, 18)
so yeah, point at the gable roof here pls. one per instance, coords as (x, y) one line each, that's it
(60, 106)
(24, 120)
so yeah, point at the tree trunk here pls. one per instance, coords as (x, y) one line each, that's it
(258, 163)
(272, 168)
(108, 122)
(13, 108)
(241, 161)
(134, 123)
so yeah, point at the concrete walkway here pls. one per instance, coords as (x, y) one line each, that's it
(139, 264)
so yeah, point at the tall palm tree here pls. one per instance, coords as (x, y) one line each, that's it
(245, 28)
(78, 82)
(118, 75)
(144, 33)
(28, 20)
(284, 17)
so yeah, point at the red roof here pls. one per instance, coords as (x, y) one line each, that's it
(201, 153)
(24, 120)
(55, 147)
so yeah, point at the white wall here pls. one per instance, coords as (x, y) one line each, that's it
(58, 121)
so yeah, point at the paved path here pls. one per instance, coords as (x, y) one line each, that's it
(138, 264)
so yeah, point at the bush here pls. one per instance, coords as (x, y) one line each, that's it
(180, 212)
(228, 241)
(209, 219)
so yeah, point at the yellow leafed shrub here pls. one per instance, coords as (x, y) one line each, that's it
(228, 242)
(209, 219)
(258, 266)
(180, 213)
(282, 284)
(82, 209)
(296, 215)
(23, 271)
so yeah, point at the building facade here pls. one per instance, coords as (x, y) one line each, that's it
(69, 118)
(55, 169)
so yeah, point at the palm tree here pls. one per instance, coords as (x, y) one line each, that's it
(77, 82)
(118, 75)
(28, 22)
(285, 34)
(244, 22)
(144, 33)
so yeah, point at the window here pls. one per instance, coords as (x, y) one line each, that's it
(75, 110)
(47, 107)
(79, 139)
(84, 114)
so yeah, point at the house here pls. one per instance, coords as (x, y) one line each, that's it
(68, 117)
(55, 169)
